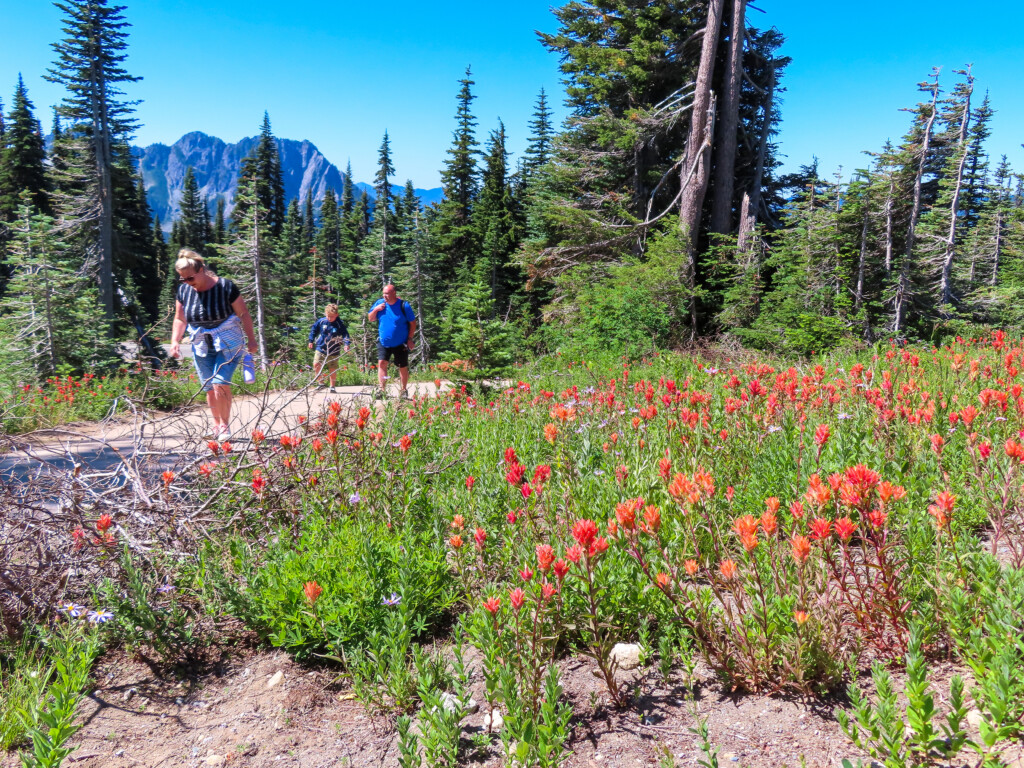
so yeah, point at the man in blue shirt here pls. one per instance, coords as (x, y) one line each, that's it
(396, 326)
(328, 335)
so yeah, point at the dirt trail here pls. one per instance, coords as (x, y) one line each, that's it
(101, 446)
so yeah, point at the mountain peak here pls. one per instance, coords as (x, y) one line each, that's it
(216, 163)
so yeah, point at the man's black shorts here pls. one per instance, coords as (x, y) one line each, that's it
(401, 353)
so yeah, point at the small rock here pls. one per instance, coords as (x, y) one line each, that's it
(128, 694)
(974, 718)
(493, 721)
(451, 703)
(178, 700)
(215, 760)
(118, 753)
(626, 656)
(276, 678)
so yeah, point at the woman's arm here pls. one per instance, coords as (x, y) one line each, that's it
(238, 305)
(177, 329)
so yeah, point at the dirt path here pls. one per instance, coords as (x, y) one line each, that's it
(101, 446)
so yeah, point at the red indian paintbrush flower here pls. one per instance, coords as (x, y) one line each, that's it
(510, 456)
(258, 436)
(550, 433)
(664, 468)
(214, 447)
(796, 510)
(800, 617)
(801, 546)
(584, 531)
(877, 518)
(937, 442)
(312, 591)
(728, 569)
(458, 522)
(769, 522)
(258, 483)
(625, 514)
(545, 556)
(547, 591)
(492, 605)
(515, 474)
(404, 443)
(945, 501)
(845, 528)
(455, 541)
(652, 518)
(470, 482)
(168, 477)
(104, 523)
(526, 574)
(574, 553)
(561, 568)
(821, 435)
(745, 526)
(663, 580)
(541, 474)
(600, 545)
(820, 528)
(480, 537)
(691, 567)
(516, 598)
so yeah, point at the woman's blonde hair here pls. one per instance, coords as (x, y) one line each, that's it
(189, 258)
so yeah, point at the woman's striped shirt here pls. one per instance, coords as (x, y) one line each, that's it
(209, 308)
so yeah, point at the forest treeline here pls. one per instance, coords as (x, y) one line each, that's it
(655, 215)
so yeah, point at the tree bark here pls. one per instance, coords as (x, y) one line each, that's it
(694, 171)
(748, 221)
(728, 122)
(858, 298)
(701, 124)
(999, 247)
(101, 150)
(889, 205)
(762, 147)
(257, 271)
(946, 284)
(903, 287)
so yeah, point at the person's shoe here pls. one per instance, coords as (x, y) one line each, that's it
(380, 394)
(225, 433)
(332, 390)
(404, 394)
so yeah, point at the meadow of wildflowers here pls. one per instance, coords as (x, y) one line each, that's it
(792, 524)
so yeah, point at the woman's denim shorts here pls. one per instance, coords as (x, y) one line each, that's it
(219, 367)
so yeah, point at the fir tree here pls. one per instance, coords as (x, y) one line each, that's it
(47, 306)
(219, 226)
(263, 166)
(497, 224)
(194, 216)
(308, 226)
(90, 65)
(22, 158)
(453, 232)
(538, 150)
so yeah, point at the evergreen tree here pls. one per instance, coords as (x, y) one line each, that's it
(47, 306)
(263, 166)
(497, 223)
(89, 64)
(219, 226)
(383, 213)
(452, 231)
(194, 216)
(538, 150)
(308, 226)
(22, 157)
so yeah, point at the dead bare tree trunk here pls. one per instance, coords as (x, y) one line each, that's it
(103, 157)
(998, 249)
(762, 147)
(748, 221)
(946, 284)
(889, 206)
(694, 172)
(257, 272)
(858, 297)
(728, 123)
(903, 287)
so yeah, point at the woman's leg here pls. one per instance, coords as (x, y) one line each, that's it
(224, 403)
(213, 400)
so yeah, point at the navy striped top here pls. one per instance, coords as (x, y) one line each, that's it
(209, 308)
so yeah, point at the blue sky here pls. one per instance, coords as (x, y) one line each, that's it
(340, 73)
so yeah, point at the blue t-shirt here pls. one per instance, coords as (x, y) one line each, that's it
(393, 322)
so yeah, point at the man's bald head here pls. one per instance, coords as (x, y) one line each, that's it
(390, 294)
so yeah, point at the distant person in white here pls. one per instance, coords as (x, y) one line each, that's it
(213, 311)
